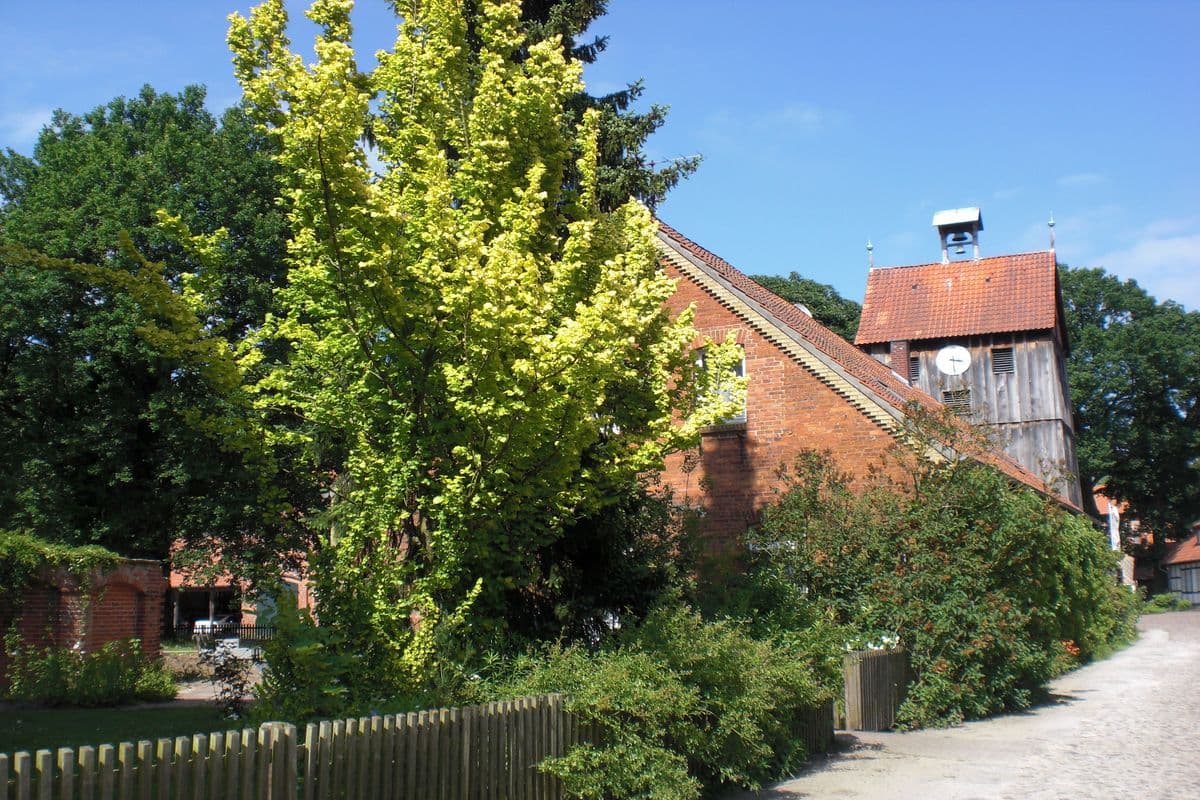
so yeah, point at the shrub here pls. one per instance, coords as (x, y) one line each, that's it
(59, 676)
(1161, 603)
(229, 674)
(991, 588)
(680, 703)
(308, 673)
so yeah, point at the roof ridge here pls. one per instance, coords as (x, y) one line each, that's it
(875, 376)
(964, 261)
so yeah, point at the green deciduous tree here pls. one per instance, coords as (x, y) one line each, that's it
(827, 306)
(623, 170)
(1134, 373)
(109, 415)
(491, 349)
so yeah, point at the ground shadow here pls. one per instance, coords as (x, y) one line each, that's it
(845, 744)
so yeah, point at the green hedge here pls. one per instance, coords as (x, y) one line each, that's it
(683, 705)
(992, 588)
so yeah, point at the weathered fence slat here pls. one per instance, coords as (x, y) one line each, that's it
(485, 752)
(875, 686)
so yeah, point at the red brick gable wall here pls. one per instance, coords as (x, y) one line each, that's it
(733, 473)
(125, 602)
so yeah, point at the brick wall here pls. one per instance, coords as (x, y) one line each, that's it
(733, 473)
(123, 603)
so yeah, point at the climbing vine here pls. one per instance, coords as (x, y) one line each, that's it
(25, 558)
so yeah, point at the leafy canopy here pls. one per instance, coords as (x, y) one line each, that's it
(492, 351)
(109, 423)
(1134, 371)
(829, 308)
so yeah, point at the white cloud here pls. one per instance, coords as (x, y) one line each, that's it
(794, 119)
(1168, 267)
(19, 129)
(1081, 180)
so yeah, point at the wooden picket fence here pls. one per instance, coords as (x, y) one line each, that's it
(876, 682)
(485, 752)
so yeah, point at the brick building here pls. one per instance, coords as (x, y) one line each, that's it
(988, 337)
(125, 602)
(808, 389)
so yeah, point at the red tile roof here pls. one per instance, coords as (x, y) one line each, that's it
(1185, 551)
(932, 301)
(882, 381)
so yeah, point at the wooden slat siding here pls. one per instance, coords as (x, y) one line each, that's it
(377, 756)
(162, 770)
(875, 681)
(233, 762)
(337, 747)
(387, 749)
(529, 745)
(311, 745)
(247, 767)
(453, 754)
(44, 764)
(23, 776)
(463, 755)
(411, 757)
(290, 762)
(199, 765)
(66, 773)
(5, 776)
(429, 760)
(87, 773)
(367, 760)
(262, 780)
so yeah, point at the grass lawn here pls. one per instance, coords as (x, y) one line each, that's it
(25, 729)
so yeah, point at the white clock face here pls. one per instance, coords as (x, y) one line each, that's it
(953, 359)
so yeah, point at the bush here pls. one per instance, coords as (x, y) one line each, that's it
(681, 704)
(990, 587)
(1161, 603)
(57, 676)
(308, 672)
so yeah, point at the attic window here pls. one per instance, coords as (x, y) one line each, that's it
(957, 400)
(914, 369)
(1002, 361)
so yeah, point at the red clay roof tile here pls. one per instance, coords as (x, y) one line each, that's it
(1184, 552)
(932, 301)
(886, 384)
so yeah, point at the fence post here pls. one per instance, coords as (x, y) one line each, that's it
(278, 763)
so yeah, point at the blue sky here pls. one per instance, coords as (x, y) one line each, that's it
(821, 124)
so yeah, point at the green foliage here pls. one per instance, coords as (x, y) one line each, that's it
(113, 387)
(1161, 603)
(991, 588)
(59, 676)
(829, 308)
(681, 704)
(612, 565)
(1134, 372)
(25, 558)
(487, 352)
(623, 169)
(309, 673)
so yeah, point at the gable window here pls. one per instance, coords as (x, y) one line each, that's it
(1002, 361)
(957, 400)
(739, 371)
(914, 369)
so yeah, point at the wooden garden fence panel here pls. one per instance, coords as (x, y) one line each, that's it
(486, 752)
(876, 682)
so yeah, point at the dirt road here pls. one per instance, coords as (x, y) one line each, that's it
(1127, 727)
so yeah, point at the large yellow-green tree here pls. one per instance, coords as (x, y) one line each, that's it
(490, 352)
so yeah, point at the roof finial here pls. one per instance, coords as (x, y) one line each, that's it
(870, 254)
(1050, 224)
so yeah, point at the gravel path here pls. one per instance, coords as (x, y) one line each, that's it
(1127, 727)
